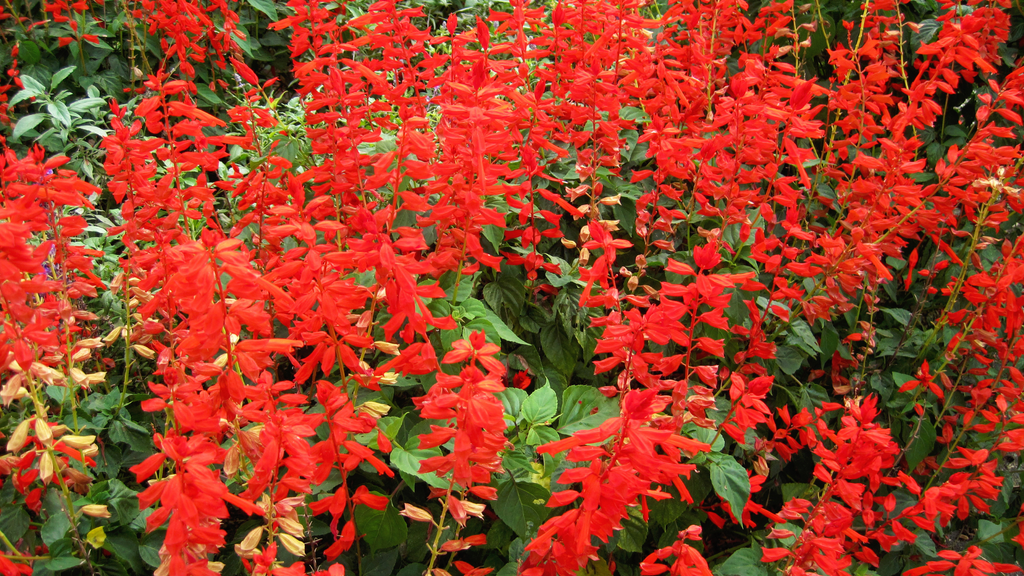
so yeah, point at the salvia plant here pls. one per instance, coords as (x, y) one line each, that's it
(580, 287)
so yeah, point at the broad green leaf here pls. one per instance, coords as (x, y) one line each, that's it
(512, 400)
(63, 563)
(922, 445)
(743, 562)
(265, 6)
(541, 406)
(901, 316)
(584, 408)
(789, 359)
(28, 52)
(408, 461)
(521, 505)
(541, 435)
(14, 522)
(561, 350)
(806, 336)
(27, 123)
(731, 482)
(502, 329)
(634, 532)
(55, 528)
(382, 528)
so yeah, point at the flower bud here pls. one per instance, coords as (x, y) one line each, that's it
(291, 544)
(19, 438)
(95, 511)
(252, 539)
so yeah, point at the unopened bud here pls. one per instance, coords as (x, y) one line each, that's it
(611, 200)
(143, 351)
(78, 442)
(43, 432)
(569, 244)
(386, 347)
(252, 539)
(584, 257)
(95, 511)
(292, 544)
(375, 408)
(290, 526)
(19, 438)
(632, 283)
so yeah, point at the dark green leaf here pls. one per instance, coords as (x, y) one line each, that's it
(902, 317)
(731, 482)
(806, 336)
(55, 528)
(922, 445)
(14, 522)
(634, 532)
(265, 6)
(63, 563)
(558, 348)
(743, 562)
(28, 52)
(382, 528)
(789, 359)
(521, 505)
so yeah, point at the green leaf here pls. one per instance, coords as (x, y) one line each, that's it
(32, 84)
(28, 52)
(408, 461)
(634, 532)
(789, 359)
(502, 329)
(804, 333)
(60, 75)
(59, 111)
(521, 505)
(558, 348)
(512, 400)
(265, 6)
(26, 123)
(541, 435)
(731, 482)
(63, 563)
(743, 562)
(583, 408)
(901, 316)
(541, 406)
(14, 522)
(921, 446)
(382, 528)
(86, 104)
(55, 528)
(829, 342)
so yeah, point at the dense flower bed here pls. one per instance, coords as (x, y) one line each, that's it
(583, 287)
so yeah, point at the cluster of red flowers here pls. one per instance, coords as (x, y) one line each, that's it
(753, 202)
